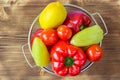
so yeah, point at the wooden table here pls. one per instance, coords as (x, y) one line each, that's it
(16, 17)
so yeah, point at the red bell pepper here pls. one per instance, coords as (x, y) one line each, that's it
(67, 59)
(77, 20)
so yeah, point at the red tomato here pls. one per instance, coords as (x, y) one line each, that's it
(36, 34)
(64, 32)
(49, 37)
(94, 53)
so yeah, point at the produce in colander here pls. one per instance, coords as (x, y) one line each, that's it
(62, 37)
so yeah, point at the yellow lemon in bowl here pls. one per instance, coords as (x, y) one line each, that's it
(52, 15)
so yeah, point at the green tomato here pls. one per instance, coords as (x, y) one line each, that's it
(40, 53)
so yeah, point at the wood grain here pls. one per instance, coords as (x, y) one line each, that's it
(14, 31)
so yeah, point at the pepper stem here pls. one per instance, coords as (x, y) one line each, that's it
(69, 61)
(82, 27)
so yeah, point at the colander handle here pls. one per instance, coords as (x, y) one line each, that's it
(26, 58)
(101, 18)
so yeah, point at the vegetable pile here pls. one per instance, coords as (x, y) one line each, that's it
(66, 39)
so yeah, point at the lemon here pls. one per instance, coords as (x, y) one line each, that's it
(52, 15)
